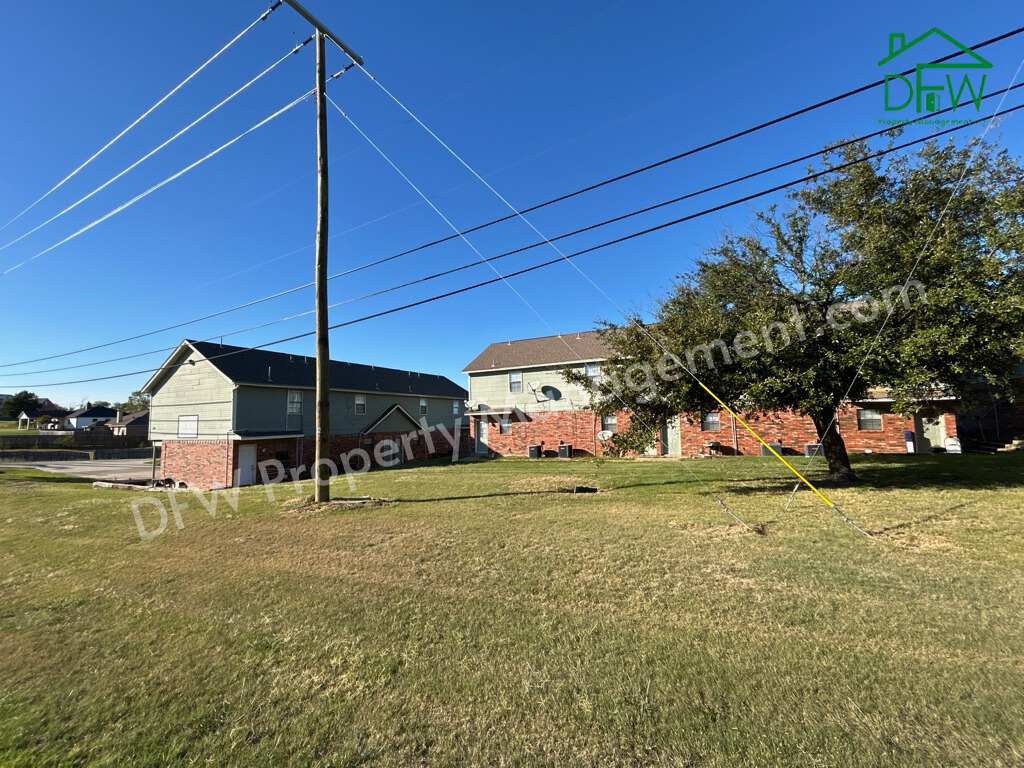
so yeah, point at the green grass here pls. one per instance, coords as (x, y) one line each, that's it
(483, 618)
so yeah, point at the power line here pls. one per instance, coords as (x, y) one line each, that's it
(401, 254)
(157, 186)
(469, 265)
(152, 152)
(542, 265)
(145, 114)
(702, 147)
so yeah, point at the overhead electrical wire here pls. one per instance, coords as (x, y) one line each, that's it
(400, 254)
(145, 114)
(163, 183)
(161, 146)
(535, 267)
(468, 265)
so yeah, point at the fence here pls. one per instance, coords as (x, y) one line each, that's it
(44, 456)
(78, 440)
(125, 453)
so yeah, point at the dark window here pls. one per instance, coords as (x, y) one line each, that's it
(609, 423)
(423, 406)
(515, 381)
(294, 401)
(360, 405)
(506, 425)
(710, 423)
(869, 419)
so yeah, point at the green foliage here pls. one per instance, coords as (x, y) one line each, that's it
(137, 401)
(23, 401)
(797, 302)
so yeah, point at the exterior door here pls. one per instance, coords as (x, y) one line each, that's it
(481, 435)
(246, 464)
(929, 433)
(673, 438)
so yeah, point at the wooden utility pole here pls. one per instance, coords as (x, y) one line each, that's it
(323, 347)
(322, 481)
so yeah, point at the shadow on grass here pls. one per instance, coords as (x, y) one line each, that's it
(41, 477)
(467, 497)
(959, 471)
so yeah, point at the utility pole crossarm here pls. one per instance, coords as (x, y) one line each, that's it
(327, 33)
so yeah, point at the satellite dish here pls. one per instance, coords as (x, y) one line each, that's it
(471, 404)
(605, 434)
(534, 385)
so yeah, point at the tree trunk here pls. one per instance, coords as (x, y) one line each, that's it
(834, 449)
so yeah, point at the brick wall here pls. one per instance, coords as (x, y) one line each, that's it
(793, 431)
(548, 429)
(201, 464)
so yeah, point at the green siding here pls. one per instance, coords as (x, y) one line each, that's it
(262, 409)
(192, 390)
(492, 389)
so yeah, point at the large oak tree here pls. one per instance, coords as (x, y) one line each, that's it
(792, 312)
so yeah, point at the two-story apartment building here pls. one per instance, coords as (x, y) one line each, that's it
(218, 411)
(518, 396)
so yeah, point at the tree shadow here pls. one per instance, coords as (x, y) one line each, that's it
(907, 472)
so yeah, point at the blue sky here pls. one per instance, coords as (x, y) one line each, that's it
(541, 98)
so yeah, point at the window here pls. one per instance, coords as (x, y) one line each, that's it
(294, 401)
(360, 405)
(455, 407)
(869, 418)
(188, 427)
(609, 423)
(506, 425)
(593, 372)
(710, 422)
(515, 381)
(423, 406)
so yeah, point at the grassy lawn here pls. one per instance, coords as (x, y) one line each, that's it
(484, 618)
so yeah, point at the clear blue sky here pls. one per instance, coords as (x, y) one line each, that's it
(540, 97)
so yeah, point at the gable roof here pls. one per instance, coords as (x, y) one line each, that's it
(979, 62)
(35, 413)
(130, 418)
(393, 408)
(544, 350)
(261, 367)
(96, 411)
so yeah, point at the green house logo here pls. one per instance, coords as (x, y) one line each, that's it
(928, 87)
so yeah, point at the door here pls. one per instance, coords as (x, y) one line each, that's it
(246, 464)
(673, 438)
(929, 433)
(481, 435)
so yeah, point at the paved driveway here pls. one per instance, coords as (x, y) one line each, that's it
(105, 469)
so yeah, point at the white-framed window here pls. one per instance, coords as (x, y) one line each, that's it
(294, 401)
(188, 427)
(710, 422)
(609, 423)
(360, 405)
(455, 408)
(506, 425)
(423, 406)
(515, 381)
(593, 372)
(869, 419)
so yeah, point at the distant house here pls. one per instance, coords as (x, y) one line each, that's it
(218, 410)
(88, 416)
(5, 398)
(131, 423)
(519, 397)
(55, 417)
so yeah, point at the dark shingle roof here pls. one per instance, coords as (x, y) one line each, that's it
(545, 350)
(251, 366)
(131, 418)
(98, 411)
(35, 413)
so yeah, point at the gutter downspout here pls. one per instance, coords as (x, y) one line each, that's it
(735, 437)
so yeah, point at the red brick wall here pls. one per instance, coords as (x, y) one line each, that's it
(578, 428)
(790, 429)
(201, 464)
